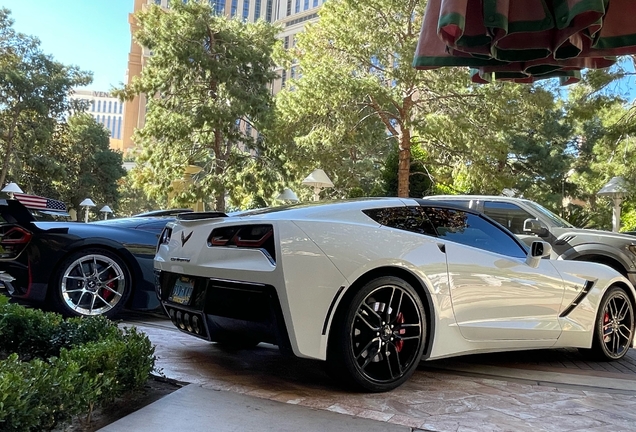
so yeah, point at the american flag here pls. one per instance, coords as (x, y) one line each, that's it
(40, 203)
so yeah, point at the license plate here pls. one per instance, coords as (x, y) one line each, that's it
(182, 291)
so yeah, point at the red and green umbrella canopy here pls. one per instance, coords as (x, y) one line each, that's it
(526, 40)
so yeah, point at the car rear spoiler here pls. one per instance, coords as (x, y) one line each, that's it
(200, 215)
(14, 212)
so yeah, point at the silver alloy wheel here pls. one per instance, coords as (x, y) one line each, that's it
(93, 285)
(386, 334)
(618, 324)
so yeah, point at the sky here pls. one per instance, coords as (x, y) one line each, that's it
(91, 34)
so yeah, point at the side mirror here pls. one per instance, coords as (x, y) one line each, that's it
(538, 250)
(533, 226)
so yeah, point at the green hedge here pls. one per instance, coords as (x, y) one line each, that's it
(52, 369)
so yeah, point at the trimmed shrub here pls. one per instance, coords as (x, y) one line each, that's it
(54, 369)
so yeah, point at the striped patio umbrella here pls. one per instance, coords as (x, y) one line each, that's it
(526, 40)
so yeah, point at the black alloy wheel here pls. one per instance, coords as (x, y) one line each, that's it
(91, 282)
(378, 340)
(614, 329)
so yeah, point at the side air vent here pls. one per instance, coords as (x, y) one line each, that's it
(579, 298)
(245, 236)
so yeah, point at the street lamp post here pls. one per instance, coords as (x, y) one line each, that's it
(616, 190)
(318, 180)
(287, 195)
(10, 189)
(87, 204)
(105, 210)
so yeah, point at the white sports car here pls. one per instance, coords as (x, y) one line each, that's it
(374, 286)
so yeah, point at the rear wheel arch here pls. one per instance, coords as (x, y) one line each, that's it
(403, 274)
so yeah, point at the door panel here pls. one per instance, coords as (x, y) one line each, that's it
(501, 298)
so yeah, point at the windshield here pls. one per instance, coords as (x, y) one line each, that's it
(554, 219)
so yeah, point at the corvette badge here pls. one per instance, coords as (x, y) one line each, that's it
(185, 238)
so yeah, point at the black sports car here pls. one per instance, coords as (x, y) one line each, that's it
(77, 268)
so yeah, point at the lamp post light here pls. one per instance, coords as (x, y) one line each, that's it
(12, 188)
(105, 210)
(287, 195)
(616, 190)
(87, 203)
(318, 180)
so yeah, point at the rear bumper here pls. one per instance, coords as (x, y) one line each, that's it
(225, 310)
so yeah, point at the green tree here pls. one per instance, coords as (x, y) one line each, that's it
(356, 74)
(420, 183)
(133, 199)
(208, 77)
(605, 124)
(91, 168)
(34, 92)
(357, 90)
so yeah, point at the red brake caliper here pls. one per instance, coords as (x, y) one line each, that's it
(400, 343)
(606, 331)
(106, 294)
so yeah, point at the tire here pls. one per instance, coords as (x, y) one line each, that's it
(378, 337)
(614, 327)
(91, 282)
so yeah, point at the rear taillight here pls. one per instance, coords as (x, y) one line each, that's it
(245, 236)
(164, 238)
(13, 240)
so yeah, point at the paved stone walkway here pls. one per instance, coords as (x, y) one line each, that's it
(432, 400)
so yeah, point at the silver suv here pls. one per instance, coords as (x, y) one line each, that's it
(529, 220)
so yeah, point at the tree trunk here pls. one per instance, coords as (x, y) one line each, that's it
(218, 170)
(404, 163)
(7, 156)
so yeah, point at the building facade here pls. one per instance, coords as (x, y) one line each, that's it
(291, 15)
(107, 110)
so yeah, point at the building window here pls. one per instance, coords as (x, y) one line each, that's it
(218, 6)
(92, 106)
(233, 8)
(283, 78)
(108, 123)
(121, 105)
(248, 129)
(292, 72)
(268, 11)
(286, 44)
(110, 105)
(315, 3)
(246, 9)
(119, 128)
(99, 106)
(257, 10)
(288, 11)
(297, 6)
(115, 107)
(306, 5)
(158, 2)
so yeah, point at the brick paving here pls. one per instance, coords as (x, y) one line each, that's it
(557, 360)
(432, 400)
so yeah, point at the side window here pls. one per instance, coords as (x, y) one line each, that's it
(411, 219)
(509, 215)
(472, 230)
